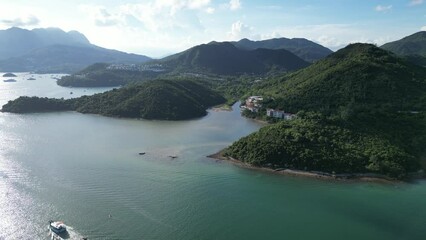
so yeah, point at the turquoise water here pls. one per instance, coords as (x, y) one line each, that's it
(82, 168)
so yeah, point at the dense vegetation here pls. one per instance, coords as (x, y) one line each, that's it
(369, 116)
(303, 48)
(414, 44)
(226, 59)
(159, 99)
(36, 104)
(360, 76)
(416, 59)
(315, 142)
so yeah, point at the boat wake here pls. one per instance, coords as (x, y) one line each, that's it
(69, 234)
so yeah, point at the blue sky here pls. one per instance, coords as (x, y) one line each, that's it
(160, 27)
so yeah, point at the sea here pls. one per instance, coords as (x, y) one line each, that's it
(86, 171)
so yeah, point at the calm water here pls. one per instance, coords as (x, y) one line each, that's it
(81, 168)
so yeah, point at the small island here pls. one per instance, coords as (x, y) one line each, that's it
(9, 75)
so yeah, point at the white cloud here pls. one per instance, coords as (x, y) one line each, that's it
(423, 28)
(26, 21)
(234, 4)
(104, 18)
(197, 4)
(154, 15)
(380, 8)
(415, 2)
(155, 26)
(335, 36)
(240, 30)
(159, 16)
(210, 10)
(101, 17)
(274, 34)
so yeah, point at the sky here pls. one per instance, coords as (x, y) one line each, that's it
(157, 28)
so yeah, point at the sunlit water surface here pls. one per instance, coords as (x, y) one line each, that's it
(86, 171)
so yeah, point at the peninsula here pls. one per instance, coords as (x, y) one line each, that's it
(360, 110)
(157, 99)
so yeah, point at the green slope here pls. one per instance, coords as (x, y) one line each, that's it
(316, 143)
(303, 48)
(226, 59)
(367, 114)
(414, 44)
(358, 76)
(207, 60)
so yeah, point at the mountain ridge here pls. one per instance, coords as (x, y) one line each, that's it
(224, 58)
(54, 50)
(301, 47)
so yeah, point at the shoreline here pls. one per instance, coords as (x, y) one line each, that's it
(362, 177)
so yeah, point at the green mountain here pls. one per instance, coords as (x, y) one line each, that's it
(414, 44)
(159, 99)
(53, 50)
(358, 76)
(303, 48)
(366, 114)
(204, 60)
(226, 59)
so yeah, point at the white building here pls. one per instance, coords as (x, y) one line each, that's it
(279, 114)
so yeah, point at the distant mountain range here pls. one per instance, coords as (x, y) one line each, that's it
(301, 47)
(223, 58)
(215, 58)
(54, 50)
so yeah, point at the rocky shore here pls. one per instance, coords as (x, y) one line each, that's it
(367, 177)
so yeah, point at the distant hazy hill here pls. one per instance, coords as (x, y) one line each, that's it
(53, 50)
(303, 48)
(226, 59)
(159, 99)
(16, 41)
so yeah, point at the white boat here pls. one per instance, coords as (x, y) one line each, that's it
(57, 227)
(9, 80)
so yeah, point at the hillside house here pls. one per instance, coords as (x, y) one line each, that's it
(279, 114)
(253, 103)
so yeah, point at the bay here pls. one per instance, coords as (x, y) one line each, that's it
(86, 171)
